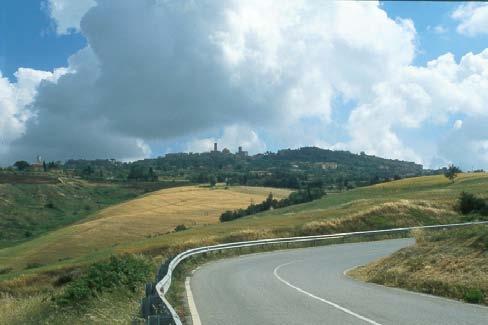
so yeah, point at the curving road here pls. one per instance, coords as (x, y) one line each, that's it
(308, 286)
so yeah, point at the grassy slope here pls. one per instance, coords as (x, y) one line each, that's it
(153, 214)
(423, 200)
(28, 209)
(451, 263)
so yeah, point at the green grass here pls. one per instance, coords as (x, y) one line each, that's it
(29, 210)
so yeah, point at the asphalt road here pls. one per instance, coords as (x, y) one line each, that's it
(308, 286)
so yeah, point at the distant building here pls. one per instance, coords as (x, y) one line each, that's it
(241, 153)
(215, 147)
(225, 150)
(328, 165)
(37, 166)
(176, 155)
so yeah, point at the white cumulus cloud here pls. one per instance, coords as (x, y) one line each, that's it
(458, 124)
(472, 18)
(67, 14)
(15, 97)
(167, 69)
(420, 97)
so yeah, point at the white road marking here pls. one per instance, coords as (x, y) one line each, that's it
(343, 309)
(191, 304)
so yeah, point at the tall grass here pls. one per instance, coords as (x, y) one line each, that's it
(450, 263)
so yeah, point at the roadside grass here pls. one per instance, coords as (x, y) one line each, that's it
(408, 202)
(111, 286)
(451, 263)
(120, 306)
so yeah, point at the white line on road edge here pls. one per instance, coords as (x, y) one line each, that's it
(195, 318)
(347, 311)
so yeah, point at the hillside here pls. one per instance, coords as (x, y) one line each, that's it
(422, 200)
(152, 215)
(32, 205)
(451, 263)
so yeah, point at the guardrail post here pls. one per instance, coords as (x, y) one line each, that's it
(160, 320)
(150, 289)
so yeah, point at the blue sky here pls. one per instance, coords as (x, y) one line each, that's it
(428, 15)
(28, 38)
(34, 35)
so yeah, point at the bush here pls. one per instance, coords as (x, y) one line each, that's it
(49, 205)
(127, 271)
(33, 265)
(301, 196)
(474, 296)
(181, 228)
(470, 203)
(5, 270)
(67, 277)
(484, 210)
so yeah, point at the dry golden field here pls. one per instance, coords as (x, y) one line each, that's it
(152, 215)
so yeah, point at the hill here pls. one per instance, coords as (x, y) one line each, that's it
(414, 201)
(31, 205)
(290, 168)
(152, 215)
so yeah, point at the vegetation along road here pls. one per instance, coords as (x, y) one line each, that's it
(309, 286)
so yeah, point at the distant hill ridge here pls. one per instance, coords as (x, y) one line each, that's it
(291, 168)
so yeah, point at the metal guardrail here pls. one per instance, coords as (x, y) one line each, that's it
(162, 287)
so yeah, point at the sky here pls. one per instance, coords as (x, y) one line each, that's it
(135, 79)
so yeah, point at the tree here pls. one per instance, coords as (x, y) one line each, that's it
(470, 203)
(88, 170)
(21, 165)
(212, 180)
(152, 177)
(451, 172)
(136, 173)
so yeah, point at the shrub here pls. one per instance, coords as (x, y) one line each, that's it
(5, 270)
(484, 210)
(127, 271)
(33, 265)
(470, 203)
(474, 296)
(67, 277)
(301, 196)
(181, 228)
(49, 205)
